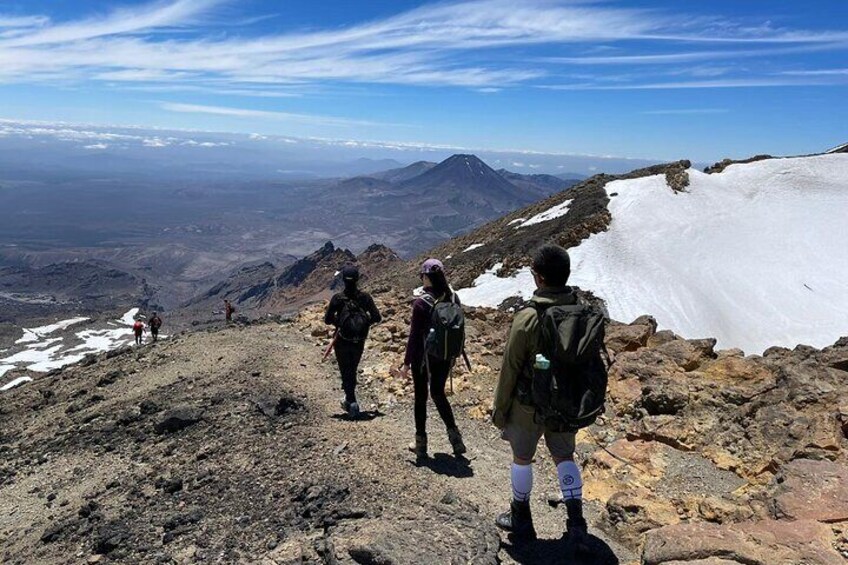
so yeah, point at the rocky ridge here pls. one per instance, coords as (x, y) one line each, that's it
(694, 440)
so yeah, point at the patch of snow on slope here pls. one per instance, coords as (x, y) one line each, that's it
(557, 211)
(32, 356)
(15, 382)
(97, 341)
(473, 246)
(128, 319)
(34, 334)
(5, 369)
(491, 290)
(517, 221)
(755, 256)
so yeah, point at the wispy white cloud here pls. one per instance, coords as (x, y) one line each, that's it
(817, 72)
(149, 16)
(428, 45)
(264, 114)
(696, 56)
(720, 83)
(22, 21)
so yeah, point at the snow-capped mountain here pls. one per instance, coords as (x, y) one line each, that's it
(755, 255)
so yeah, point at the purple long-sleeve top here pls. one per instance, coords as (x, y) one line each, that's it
(419, 327)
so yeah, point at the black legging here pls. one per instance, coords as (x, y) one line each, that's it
(348, 355)
(439, 371)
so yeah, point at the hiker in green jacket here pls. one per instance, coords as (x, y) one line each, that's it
(513, 412)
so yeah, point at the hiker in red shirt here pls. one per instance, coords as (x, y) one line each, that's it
(138, 329)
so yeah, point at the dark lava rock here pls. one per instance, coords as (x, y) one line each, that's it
(274, 407)
(177, 419)
(110, 537)
(170, 486)
(54, 532)
(148, 407)
(108, 378)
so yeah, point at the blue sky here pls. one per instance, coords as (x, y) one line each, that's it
(653, 79)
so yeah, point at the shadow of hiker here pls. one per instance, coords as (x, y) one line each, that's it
(560, 551)
(364, 416)
(448, 465)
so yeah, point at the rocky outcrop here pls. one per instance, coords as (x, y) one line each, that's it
(724, 163)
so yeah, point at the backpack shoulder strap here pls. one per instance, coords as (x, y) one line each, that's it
(429, 299)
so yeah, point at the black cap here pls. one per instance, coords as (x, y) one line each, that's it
(350, 273)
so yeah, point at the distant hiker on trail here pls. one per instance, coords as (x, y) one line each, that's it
(353, 312)
(138, 330)
(552, 382)
(229, 309)
(154, 323)
(436, 339)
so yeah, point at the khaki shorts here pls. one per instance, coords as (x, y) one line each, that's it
(523, 435)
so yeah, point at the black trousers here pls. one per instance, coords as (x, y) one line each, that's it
(348, 355)
(439, 372)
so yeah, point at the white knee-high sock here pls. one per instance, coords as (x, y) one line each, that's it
(522, 482)
(570, 481)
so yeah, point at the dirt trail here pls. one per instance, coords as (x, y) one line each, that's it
(265, 468)
(482, 477)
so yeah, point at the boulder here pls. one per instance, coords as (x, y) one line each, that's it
(688, 354)
(767, 542)
(812, 490)
(177, 419)
(620, 337)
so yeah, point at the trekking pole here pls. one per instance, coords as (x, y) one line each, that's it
(467, 362)
(332, 344)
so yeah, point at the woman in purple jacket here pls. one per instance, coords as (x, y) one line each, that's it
(427, 367)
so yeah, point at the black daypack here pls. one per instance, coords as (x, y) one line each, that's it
(570, 394)
(353, 320)
(446, 339)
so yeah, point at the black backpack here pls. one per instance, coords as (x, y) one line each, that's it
(570, 394)
(353, 320)
(446, 339)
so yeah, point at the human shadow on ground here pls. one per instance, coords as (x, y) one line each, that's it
(364, 416)
(443, 464)
(560, 551)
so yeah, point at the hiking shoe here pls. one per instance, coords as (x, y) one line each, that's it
(419, 446)
(353, 410)
(455, 439)
(345, 406)
(518, 521)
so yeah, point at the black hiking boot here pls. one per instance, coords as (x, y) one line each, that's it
(518, 521)
(577, 531)
(419, 446)
(455, 439)
(353, 410)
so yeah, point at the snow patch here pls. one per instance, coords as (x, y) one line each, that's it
(5, 369)
(128, 319)
(754, 256)
(473, 247)
(490, 290)
(15, 382)
(35, 334)
(551, 213)
(517, 221)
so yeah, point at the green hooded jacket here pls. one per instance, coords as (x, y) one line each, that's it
(522, 347)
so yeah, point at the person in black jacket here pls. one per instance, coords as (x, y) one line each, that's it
(353, 312)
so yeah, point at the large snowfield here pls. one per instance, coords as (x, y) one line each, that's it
(754, 256)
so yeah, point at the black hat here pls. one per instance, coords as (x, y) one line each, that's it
(350, 273)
